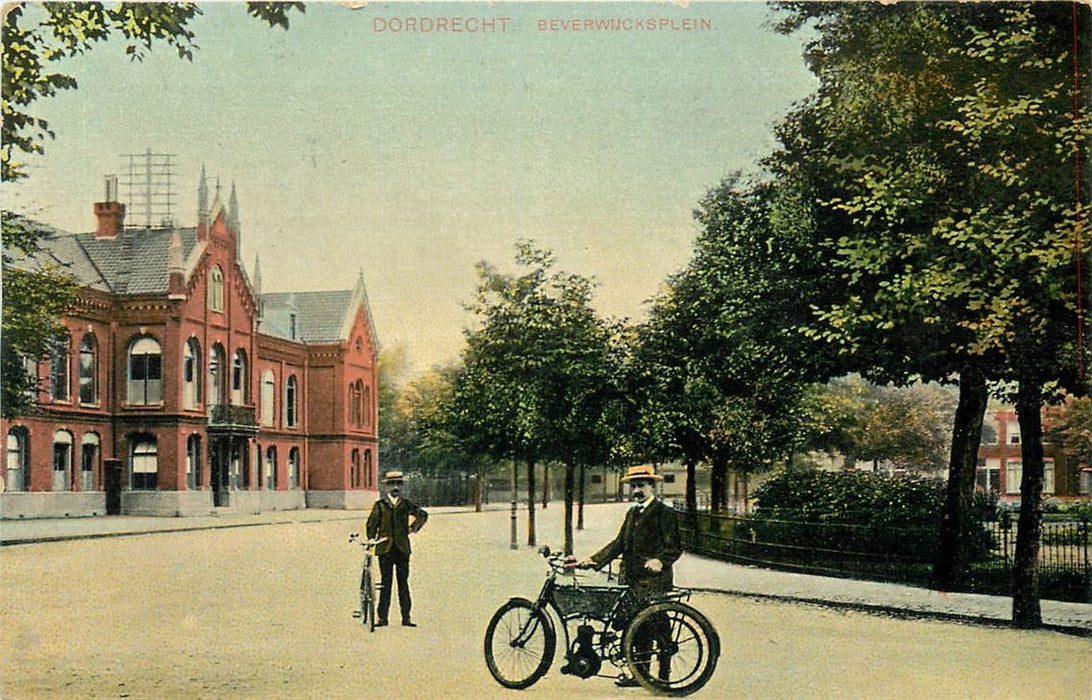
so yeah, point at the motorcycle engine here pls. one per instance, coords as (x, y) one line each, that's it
(583, 661)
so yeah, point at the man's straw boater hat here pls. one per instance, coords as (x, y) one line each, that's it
(393, 478)
(646, 472)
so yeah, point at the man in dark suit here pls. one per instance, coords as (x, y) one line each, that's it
(390, 518)
(648, 544)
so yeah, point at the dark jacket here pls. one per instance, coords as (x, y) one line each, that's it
(649, 533)
(392, 522)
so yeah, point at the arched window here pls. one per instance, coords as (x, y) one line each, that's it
(294, 468)
(17, 460)
(143, 463)
(356, 403)
(145, 372)
(62, 460)
(216, 379)
(239, 379)
(193, 461)
(367, 402)
(271, 468)
(368, 469)
(355, 470)
(268, 397)
(191, 374)
(290, 399)
(89, 461)
(89, 368)
(216, 289)
(58, 370)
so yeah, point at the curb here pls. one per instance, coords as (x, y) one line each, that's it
(893, 611)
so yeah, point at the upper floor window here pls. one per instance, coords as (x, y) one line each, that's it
(216, 371)
(191, 374)
(268, 395)
(1013, 431)
(367, 406)
(216, 289)
(290, 398)
(145, 372)
(356, 403)
(58, 370)
(292, 326)
(89, 368)
(239, 380)
(359, 344)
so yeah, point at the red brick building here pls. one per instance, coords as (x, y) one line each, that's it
(1000, 467)
(183, 389)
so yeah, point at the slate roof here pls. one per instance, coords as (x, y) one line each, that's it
(133, 263)
(319, 315)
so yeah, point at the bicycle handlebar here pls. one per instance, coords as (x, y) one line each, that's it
(355, 537)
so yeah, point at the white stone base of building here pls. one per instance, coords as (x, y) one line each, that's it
(24, 504)
(341, 500)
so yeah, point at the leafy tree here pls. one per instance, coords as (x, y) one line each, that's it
(1070, 426)
(36, 294)
(535, 372)
(939, 146)
(725, 367)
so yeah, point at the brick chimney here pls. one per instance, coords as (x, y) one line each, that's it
(110, 213)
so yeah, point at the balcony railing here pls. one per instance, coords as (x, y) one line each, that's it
(227, 417)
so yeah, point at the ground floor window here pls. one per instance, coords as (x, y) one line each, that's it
(193, 462)
(988, 478)
(89, 462)
(271, 468)
(62, 460)
(16, 460)
(1048, 476)
(144, 464)
(294, 468)
(1014, 472)
(354, 469)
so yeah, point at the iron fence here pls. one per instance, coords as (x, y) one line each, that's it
(890, 552)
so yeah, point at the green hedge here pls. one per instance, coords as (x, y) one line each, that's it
(857, 512)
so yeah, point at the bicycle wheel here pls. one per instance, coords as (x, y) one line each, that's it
(365, 598)
(519, 644)
(368, 602)
(671, 648)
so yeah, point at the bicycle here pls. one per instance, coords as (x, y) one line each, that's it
(367, 585)
(611, 625)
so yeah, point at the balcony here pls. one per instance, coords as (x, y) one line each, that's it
(228, 419)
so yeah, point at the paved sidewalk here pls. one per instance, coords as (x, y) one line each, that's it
(694, 572)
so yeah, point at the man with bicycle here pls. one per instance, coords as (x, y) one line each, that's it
(648, 543)
(390, 519)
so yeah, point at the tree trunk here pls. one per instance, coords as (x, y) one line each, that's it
(515, 503)
(691, 484)
(570, 472)
(1026, 612)
(530, 502)
(719, 484)
(580, 501)
(955, 525)
(746, 501)
(545, 484)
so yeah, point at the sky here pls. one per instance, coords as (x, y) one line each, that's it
(411, 155)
